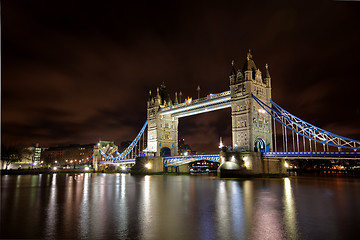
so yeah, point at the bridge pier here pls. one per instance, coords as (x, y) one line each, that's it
(249, 164)
(145, 165)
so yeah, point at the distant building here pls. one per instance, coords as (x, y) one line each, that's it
(184, 149)
(31, 155)
(69, 154)
(20, 157)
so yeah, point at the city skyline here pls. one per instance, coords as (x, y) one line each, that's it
(75, 73)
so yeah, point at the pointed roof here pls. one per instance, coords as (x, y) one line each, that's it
(249, 63)
(233, 71)
(267, 74)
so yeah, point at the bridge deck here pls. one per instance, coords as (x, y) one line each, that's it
(180, 160)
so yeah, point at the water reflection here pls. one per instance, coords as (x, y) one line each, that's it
(85, 207)
(51, 210)
(146, 227)
(120, 206)
(267, 216)
(289, 211)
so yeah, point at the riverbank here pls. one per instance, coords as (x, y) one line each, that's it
(317, 173)
(51, 171)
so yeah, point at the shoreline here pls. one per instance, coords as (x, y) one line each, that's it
(311, 173)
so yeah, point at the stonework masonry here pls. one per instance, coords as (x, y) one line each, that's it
(162, 129)
(251, 126)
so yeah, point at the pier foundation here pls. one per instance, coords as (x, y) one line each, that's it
(249, 164)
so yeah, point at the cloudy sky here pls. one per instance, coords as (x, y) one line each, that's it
(80, 71)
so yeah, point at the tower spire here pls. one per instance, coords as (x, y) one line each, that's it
(176, 99)
(249, 56)
(267, 74)
(233, 71)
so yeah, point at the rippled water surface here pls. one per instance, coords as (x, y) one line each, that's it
(120, 206)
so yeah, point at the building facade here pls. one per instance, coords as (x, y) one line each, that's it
(162, 135)
(68, 155)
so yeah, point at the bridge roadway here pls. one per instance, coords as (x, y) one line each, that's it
(181, 160)
(209, 103)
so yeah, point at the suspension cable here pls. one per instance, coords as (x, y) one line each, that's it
(274, 134)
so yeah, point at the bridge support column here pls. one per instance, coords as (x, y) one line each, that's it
(184, 168)
(249, 164)
(144, 165)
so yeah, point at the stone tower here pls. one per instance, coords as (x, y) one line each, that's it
(251, 126)
(162, 129)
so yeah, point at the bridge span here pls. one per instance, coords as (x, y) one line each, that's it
(259, 128)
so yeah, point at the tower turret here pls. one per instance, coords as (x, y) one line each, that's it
(249, 67)
(267, 78)
(251, 129)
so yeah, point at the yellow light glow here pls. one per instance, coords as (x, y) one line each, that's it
(247, 162)
(286, 165)
(148, 165)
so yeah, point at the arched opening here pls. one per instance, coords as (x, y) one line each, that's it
(165, 152)
(260, 145)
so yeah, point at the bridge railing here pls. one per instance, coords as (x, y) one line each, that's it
(312, 154)
(180, 160)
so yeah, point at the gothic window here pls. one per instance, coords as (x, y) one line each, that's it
(241, 107)
(242, 124)
(237, 108)
(238, 123)
(245, 123)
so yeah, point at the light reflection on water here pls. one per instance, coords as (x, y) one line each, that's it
(120, 206)
(51, 210)
(289, 211)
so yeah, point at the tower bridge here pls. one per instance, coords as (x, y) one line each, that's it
(256, 121)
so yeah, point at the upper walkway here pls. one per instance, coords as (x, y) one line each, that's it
(209, 103)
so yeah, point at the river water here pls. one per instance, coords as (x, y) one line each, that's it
(121, 206)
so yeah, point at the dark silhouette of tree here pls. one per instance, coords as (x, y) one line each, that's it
(10, 154)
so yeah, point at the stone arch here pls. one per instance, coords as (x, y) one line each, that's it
(165, 152)
(260, 145)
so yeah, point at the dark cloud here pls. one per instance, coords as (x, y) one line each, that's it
(76, 72)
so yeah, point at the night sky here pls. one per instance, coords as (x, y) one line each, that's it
(80, 71)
